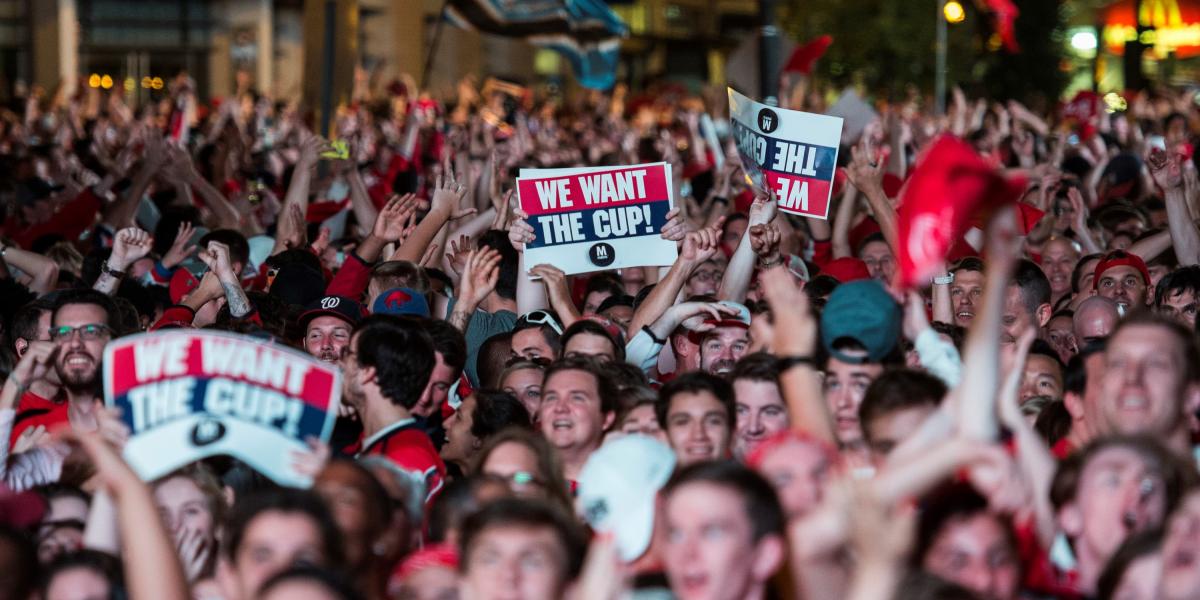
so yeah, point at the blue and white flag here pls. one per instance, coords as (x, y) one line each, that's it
(587, 32)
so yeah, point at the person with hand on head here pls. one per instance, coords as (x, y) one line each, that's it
(192, 504)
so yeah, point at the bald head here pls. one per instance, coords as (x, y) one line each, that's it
(1096, 317)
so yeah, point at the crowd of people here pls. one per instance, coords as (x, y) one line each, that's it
(769, 416)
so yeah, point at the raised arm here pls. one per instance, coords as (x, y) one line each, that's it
(129, 245)
(795, 341)
(741, 265)
(151, 565)
(1168, 174)
(698, 246)
(976, 395)
(42, 270)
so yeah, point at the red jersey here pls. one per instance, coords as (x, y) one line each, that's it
(409, 448)
(34, 410)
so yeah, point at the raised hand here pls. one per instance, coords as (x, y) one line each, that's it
(520, 232)
(393, 219)
(764, 241)
(795, 326)
(702, 244)
(216, 256)
(181, 248)
(34, 365)
(764, 207)
(1166, 168)
(676, 226)
(460, 249)
(129, 245)
(480, 276)
(864, 171)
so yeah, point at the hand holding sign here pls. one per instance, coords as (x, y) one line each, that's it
(189, 394)
(791, 152)
(520, 232)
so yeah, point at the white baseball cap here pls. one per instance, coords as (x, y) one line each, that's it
(618, 487)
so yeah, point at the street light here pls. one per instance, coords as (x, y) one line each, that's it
(954, 12)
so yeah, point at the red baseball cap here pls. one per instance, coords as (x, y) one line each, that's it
(1118, 258)
(846, 269)
(182, 282)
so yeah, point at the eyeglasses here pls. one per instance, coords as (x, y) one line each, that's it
(89, 332)
(708, 276)
(541, 317)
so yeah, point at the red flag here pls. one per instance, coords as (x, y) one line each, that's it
(804, 57)
(950, 184)
(1006, 15)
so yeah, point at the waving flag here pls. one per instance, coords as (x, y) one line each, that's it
(587, 32)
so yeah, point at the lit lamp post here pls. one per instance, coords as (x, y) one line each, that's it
(949, 11)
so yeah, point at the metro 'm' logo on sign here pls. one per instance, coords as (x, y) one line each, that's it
(573, 209)
(790, 152)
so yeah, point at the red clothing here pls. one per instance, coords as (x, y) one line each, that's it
(351, 280)
(71, 220)
(1062, 449)
(34, 410)
(409, 448)
(1041, 576)
(822, 252)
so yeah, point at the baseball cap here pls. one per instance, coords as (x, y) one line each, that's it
(865, 312)
(741, 318)
(333, 306)
(401, 301)
(298, 284)
(617, 490)
(846, 269)
(1119, 258)
(182, 282)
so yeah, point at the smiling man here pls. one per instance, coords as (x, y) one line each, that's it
(966, 291)
(579, 404)
(696, 411)
(761, 411)
(328, 323)
(1151, 380)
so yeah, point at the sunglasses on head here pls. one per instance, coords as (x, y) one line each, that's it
(541, 317)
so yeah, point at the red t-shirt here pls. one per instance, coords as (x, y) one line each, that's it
(409, 448)
(34, 410)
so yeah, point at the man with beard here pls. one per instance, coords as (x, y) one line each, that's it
(327, 325)
(727, 341)
(36, 407)
(81, 324)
